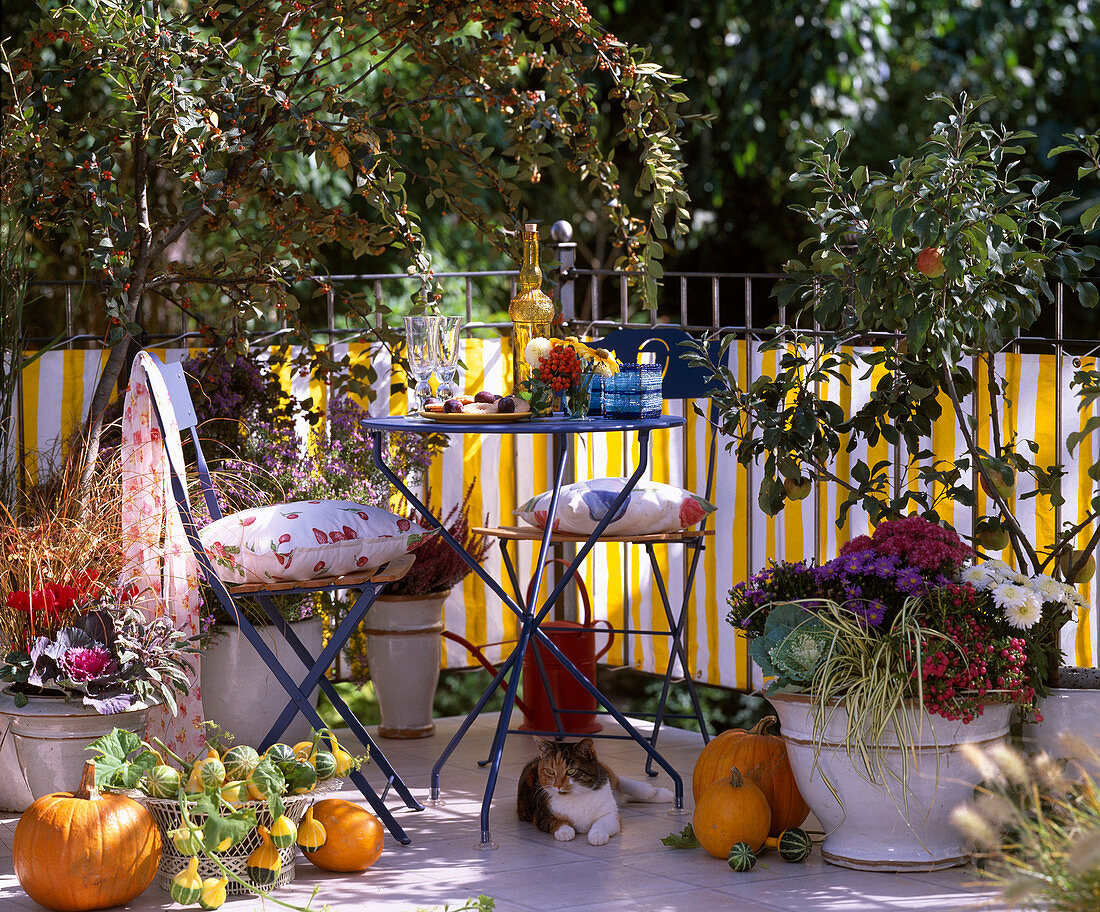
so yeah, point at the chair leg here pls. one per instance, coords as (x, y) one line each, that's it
(316, 677)
(676, 627)
(301, 700)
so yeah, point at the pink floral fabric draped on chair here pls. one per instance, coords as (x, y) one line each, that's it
(159, 560)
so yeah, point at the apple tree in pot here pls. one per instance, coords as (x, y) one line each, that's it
(938, 264)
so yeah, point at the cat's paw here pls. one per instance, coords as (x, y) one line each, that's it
(598, 837)
(661, 795)
(565, 833)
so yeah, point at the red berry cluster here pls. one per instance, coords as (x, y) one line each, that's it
(974, 666)
(561, 369)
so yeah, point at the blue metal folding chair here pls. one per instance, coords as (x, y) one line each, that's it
(368, 583)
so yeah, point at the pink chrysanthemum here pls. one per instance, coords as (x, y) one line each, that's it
(86, 664)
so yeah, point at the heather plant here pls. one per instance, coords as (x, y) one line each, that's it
(438, 566)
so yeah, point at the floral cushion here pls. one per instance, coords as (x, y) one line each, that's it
(651, 508)
(306, 540)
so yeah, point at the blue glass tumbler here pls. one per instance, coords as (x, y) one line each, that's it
(634, 392)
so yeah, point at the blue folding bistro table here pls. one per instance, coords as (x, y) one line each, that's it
(531, 612)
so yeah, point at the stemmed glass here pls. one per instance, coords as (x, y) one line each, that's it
(421, 347)
(448, 338)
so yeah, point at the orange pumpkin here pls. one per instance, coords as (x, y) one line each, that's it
(81, 850)
(762, 757)
(730, 811)
(353, 840)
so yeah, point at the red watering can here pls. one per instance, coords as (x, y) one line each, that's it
(576, 705)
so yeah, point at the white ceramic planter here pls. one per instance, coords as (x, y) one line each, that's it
(1071, 712)
(881, 828)
(50, 735)
(14, 794)
(242, 695)
(403, 650)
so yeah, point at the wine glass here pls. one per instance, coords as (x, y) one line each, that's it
(420, 345)
(448, 338)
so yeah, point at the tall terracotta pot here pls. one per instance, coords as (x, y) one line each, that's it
(883, 827)
(403, 653)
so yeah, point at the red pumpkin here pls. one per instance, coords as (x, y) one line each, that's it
(762, 757)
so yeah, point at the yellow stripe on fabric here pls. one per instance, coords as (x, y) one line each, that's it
(1049, 449)
(793, 518)
(616, 590)
(660, 446)
(843, 457)
(771, 552)
(943, 448)
(634, 562)
(72, 396)
(740, 551)
(358, 353)
(1086, 457)
(1010, 391)
(695, 475)
(32, 379)
(880, 452)
(509, 499)
(472, 473)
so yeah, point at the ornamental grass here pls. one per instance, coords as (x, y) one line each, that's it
(1036, 825)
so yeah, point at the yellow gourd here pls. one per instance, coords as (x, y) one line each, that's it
(311, 833)
(283, 832)
(186, 886)
(213, 892)
(264, 864)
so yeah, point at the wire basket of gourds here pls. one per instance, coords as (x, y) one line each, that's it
(235, 815)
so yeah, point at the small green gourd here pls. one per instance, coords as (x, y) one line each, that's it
(161, 781)
(264, 864)
(279, 753)
(311, 833)
(186, 887)
(300, 777)
(793, 844)
(283, 832)
(213, 892)
(187, 840)
(325, 764)
(240, 761)
(741, 858)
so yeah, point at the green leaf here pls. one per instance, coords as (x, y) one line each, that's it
(685, 839)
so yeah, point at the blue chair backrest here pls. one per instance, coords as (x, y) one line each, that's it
(665, 344)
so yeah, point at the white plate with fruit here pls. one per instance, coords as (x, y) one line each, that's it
(484, 407)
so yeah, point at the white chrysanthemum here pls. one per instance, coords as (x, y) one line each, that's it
(1026, 612)
(1020, 579)
(997, 567)
(1010, 596)
(537, 348)
(1051, 590)
(980, 576)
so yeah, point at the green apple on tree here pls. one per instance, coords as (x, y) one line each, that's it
(798, 488)
(1069, 559)
(1002, 477)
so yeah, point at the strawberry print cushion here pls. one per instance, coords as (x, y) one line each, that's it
(305, 540)
(652, 507)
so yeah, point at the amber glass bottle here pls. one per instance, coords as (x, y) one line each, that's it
(531, 310)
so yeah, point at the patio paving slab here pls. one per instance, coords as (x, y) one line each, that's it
(531, 871)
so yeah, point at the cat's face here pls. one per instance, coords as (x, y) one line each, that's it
(565, 767)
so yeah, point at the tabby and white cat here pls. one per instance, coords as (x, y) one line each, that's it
(566, 790)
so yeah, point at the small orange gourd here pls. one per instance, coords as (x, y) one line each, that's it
(730, 811)
(81, 850)
(761, 757)
(353, 836)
